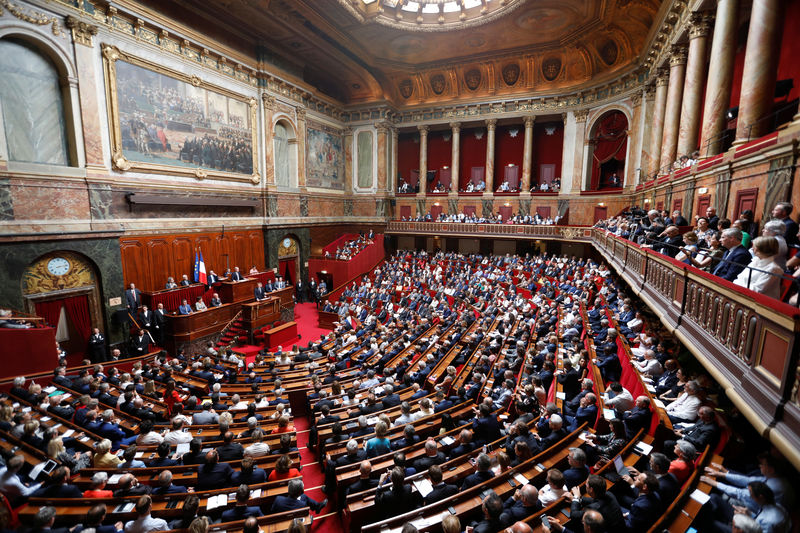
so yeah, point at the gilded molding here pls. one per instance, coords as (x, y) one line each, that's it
(82, 32)
(33, 17)
(529, 120)
(678, 56)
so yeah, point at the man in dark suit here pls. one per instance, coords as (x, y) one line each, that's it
(736, 258)
(637, 418)
(390, 399)
(249, 474)
(236, 275)
(782, 211)
(609, 365)
(162, 457)
(133, 298)
(213, 474)
(229, 450)
(569, 380)
(441, 490)
(59, 486)
(215, 300)
(295, 499)
(464, 445)
(647, 507)
(484, 472)
(432, 457)
(212, 278)
(557, 432)
(705, 432)
(165, 485)
(587, 412)
(485, 426)
(260, 292)
(670, 243)
(159, 322)
(97, 347)
(492, 510)
(598, 499)
(146, 318)
(300, 291)
(577, 471)
(59, 377)
(241, 510)
(365, 480)
(140, 343)
(523, 503)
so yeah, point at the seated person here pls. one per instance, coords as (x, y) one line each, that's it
(200, 305)
(184, 308)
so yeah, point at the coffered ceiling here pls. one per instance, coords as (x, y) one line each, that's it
(361, 51)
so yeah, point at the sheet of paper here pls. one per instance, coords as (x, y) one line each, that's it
(650, 388)
(658, 403)
(699, 496)
(561, 395)
(68, 433)
(609, 414)
(256, 493)
(447, 441)
(36, 470)
(424, 486)
(643, 448)
(182, 448)
(522, 480)
(113, 480)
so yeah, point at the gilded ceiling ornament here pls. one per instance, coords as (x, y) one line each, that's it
(406, 88)
(511, 74)
(551, 68)
(438, 83)
(472, 78)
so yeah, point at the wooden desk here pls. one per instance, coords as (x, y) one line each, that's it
(325, 320)
(185, 328)
(171, 298)
(237, 291)
(283, 334)
(286, 295)
(257, 314)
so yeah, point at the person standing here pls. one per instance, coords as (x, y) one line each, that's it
(97, 346)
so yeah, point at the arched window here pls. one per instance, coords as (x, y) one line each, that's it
(608, 145)
(285, 155)
(33, 116)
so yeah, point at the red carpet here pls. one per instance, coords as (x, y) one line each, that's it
(248, 351)
(307, 318)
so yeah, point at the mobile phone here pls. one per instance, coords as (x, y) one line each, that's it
(511, 482)
(452, 510)
(199, 431)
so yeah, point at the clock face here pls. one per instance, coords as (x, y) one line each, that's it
(287, 243)
(58, 266)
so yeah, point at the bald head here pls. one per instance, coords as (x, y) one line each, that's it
(529, 494)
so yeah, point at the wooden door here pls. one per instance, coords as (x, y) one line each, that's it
(436, 210)
(512, 177)
(476, 175)
(600, 213)
(745, 199)
(543, 210)
(505, 212)
(677, 204)
(469, 210)
(405, 212)
(702, 204)
(547, 173)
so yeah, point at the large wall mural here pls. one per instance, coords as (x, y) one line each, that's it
(165, 121)
(325, 157)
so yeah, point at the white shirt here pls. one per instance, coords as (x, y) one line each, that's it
(258, 449)
(177, 437)
(684, 407)
(548, 495)
(145, 524)
(761, 282)
(649, 366)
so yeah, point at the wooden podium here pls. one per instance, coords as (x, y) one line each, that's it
(186, 328)
(237, 291)
(283, 334)
(257, 314)
(286, 296)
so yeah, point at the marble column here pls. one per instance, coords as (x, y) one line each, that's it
(760, 69)
(657, 131)
(301, 147)
(643, 156)
(580, 150)
(491, 126)
(383, 132)
(634, 141)
(423, 159)
(393, 178)
(694, 84)
(672, 113)
(455, 157)
(268, 104)
(720, 77)
(348, 160)
(527, 155)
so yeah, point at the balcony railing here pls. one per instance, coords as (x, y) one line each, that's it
(747, 341)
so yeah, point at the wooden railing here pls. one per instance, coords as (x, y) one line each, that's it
(747, 341)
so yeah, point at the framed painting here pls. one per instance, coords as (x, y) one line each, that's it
(164, 121)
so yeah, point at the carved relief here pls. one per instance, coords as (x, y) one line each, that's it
(32, 17)
(81, 31)
(438, 83)
(511, 74)
(472, 78)
(551, 68)
(406, 88)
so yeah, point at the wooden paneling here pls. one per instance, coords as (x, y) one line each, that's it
(147, 260)
(745, 199)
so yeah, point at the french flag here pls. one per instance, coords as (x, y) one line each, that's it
(201, 270)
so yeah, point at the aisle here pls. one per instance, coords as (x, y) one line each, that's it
(307, 318)
(327, 521)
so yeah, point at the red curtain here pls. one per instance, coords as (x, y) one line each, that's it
(50, 311)
(610, 142)
(286, 269)
(78, 312)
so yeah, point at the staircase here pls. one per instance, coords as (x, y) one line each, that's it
(232, 332)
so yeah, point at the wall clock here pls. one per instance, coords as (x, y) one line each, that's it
(58, 266)
(287, 242)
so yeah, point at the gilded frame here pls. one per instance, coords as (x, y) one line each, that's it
(111, 54)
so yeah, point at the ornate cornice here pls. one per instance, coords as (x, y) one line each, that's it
(581, 115)
(529, 120)
(82, 32)
(455, 126)
(423, 130)
(678, 55)
(491, 124)
(699, 25)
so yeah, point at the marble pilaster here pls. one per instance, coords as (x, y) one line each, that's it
(634, 140)
(760, 69)
(268, 104)
(580, 149)
(491, 127)
(527, 154)
(423, 158)
(82, 34)
(694, 84)
(383, 131)
(672, 113)
(645, 132)
(720, 78)
(455, 157)
(393, 170)
(348, 160)
(301, 147)
(657, 127)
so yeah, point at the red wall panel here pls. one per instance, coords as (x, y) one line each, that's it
(508, 149)
(407, 154)
(439, 151)
(789, 65)
(547, 149)
(473, 152)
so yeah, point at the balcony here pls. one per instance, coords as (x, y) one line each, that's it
(746, 341)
